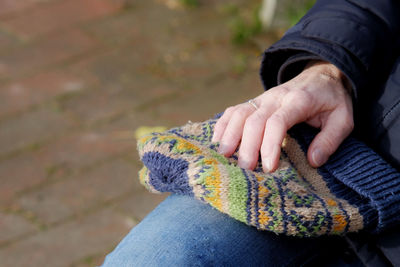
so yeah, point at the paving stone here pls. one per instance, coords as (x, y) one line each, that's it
(31, 128)
(19, 95)
(82, 149)
(7, 41)
(132, 24)
(121, 87)
(58, 201)
(82, 76)
(43, 53)
(119, 68)
(193, 50)
(65, 156)
(207, 100)
(138, 21)
(19, 173)
(90, 261)
(106, 104)
(125, 126)
(13, 226)
(139, 204)
(70, 242)
(58, 15)
(12, 6)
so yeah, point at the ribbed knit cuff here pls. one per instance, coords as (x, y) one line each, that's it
(356, 173)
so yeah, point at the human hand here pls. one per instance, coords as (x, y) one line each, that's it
(316, 96)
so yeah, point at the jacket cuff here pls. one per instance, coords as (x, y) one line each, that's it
(293, 48)
(294, 65)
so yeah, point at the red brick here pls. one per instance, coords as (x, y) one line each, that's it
(13, 226)
(17, 174)
(207, 100)
(104, 104)
(7, 41)
(31, 128)
(70, 242)
(66, 156)
(122, 88)
(58, 201)
(43, 53)
(124, 127)
(90, 261)
(20, 95)
(121, 67)
(58, 15)
(136, 26)
(139, 204)
(12, 6)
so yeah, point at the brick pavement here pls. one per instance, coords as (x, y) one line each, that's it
(77, 77)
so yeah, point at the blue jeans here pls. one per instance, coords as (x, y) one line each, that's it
(183, 231)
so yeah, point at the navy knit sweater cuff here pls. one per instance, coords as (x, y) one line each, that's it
(366, 180)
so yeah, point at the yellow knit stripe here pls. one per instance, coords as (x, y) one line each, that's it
(263, 216)
(213, 183)
(339, 219)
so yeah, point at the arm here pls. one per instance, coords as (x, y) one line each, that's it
(359, 40)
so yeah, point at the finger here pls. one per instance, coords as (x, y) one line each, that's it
(253, 134)
(233, 131)
(289, 114)
(337, 127)
(221, 124)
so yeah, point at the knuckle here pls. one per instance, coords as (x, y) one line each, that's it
(240, 111)
(299, 102)
(222, 121)
(220, 125)
(278, 118)
(300, 98)
(229, 109)
(243, 108)
(282, 89)
(254, 119)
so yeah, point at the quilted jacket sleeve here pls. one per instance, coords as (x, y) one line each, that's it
(360, 37)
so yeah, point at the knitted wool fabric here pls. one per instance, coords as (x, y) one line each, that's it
(355, 190)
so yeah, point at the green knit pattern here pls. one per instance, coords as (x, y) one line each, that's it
(294, 200)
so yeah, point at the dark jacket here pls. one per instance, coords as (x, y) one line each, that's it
(362, 38)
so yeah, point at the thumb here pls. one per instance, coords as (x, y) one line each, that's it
(337, 127)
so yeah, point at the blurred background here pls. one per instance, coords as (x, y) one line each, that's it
(79, 77)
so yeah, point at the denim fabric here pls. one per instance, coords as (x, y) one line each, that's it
(182, 231)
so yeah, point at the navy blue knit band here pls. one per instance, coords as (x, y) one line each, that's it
(366, 179)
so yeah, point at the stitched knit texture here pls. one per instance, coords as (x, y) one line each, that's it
(356, 189)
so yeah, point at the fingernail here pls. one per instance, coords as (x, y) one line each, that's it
(267, 164)
(222, 149)
(319, 157)
(244, 164)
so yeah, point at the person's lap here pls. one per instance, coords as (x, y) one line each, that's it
(183, 231)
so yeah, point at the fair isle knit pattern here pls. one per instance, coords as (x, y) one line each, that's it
(356, 190)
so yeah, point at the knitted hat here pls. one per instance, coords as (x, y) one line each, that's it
(356, 189)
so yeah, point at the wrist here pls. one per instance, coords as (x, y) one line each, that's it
(329, 71)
